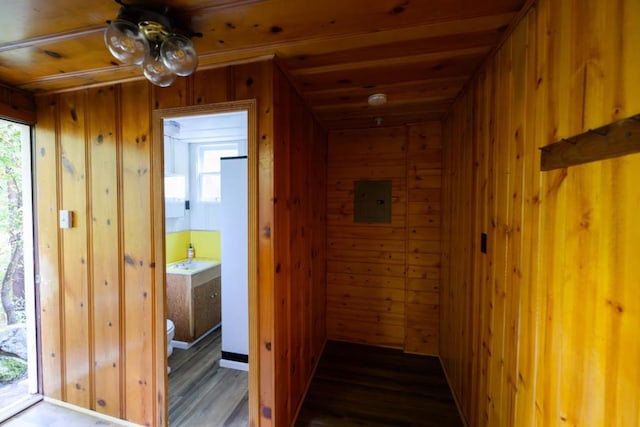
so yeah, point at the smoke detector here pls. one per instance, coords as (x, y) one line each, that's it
(377, 99)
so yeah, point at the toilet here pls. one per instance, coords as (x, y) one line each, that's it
(170, 332)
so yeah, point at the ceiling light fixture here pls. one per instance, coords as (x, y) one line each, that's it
(146, 36)
(377, 99)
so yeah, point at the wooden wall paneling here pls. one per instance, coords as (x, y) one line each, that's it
(518, 82)
(355, 155)
(75, 268)
(480, 281)
(424, 156)
(297, 252)
(138, 291)
(178, 94)
(255, 307)
(283, 217)
(298, 200)
(530, 296)
(605, 234)
(17, 105)
(244, 78)
(558, 306)
(212, 85)
(447, 204)
(116, 328)
(300, 231)
(467, 251)
(319, 238)
(500, 220)
(47, 182)
(475, 227)
(105, 232)
(383, 279)
(450, 204)
(559, 91)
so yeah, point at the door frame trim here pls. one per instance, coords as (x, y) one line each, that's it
(160, 338)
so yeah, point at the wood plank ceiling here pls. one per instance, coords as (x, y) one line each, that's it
(420, 53)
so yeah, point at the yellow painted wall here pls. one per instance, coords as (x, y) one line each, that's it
(206, 244)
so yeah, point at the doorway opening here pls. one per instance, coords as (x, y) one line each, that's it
(210, 269)
(18, 352)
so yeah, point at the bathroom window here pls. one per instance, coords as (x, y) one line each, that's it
(209, 169)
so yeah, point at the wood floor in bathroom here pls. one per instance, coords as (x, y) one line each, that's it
(201, 393)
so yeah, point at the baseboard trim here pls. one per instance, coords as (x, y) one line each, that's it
(182, 345)
(453, 393)
(231, 364)
(306, 389)
(89, 412)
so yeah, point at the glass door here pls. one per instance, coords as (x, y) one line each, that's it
(18, 352)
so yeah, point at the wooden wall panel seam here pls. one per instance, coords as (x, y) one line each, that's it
(61, 285)
(89, 260)
(155, 410)
(120, 256)
(406, 231)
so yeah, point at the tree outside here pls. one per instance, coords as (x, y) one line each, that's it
(11, 215)
(13, 335)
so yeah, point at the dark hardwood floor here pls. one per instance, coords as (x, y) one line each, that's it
(201, 393)
(357, 385)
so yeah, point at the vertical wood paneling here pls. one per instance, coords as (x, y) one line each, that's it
(318, 163)
(105, 255)
(299, 224)
(383, 279)
(554, 306)
(137, 291)
(176, 95)
(255, 81)
(102, 295)
(74, 242)
(48, 250)
(210, 86)
(16, 104)
(424, 158)
(284, 326)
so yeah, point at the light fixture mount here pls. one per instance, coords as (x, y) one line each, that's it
(377, 99)
(155, 37)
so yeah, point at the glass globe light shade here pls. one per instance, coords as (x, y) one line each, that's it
(179, 55)
(125, 42)
(156, 72)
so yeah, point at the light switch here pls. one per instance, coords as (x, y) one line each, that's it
(66, 219)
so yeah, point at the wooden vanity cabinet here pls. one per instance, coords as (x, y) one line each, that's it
(193, 303)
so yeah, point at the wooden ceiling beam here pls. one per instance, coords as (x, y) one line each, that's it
(389, 62)
(414, 85)
(386, 111)
(388, 121)
(384, 75)
(418, 46)
(393, 104)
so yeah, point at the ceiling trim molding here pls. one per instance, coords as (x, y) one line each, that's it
(51, 38)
